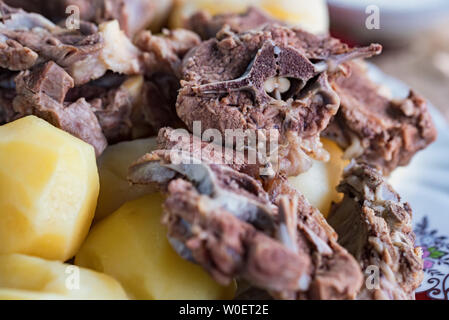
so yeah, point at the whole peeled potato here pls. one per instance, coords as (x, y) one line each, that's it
(48, 189)
(29, 278)
(310, 15)
(131, 245)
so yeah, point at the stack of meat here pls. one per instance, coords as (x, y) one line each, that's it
(235, 217)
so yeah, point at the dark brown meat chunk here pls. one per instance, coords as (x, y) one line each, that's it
(375, 226)
(208, 26)
(372, 128)
(42, 92)
(223, 220)
(274, 81)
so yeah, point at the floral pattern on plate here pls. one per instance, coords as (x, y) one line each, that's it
(425, 185)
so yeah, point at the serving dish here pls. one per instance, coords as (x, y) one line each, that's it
(425, 185)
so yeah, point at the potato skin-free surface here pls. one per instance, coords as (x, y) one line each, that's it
(131, 245)
(319, 184)
(113, 166)
(29, 278)
(310, 15)
(48, 189)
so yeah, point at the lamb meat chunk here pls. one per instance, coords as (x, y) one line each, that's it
(37, 39)
(16, 57)
(208, 26)
(273, 80)
(372, 128)
(163, 53)
(133, 15)
(225, 221)
(27, 39)
(335, 273)
(226, 246)
(7, 94)
(209, 152)
(115, 99)
(42, 92)
(161, 61)
(375, 227)
(221, 219)
(159, 100)
(131, 107)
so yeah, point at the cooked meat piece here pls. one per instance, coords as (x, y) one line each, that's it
(7, 94)
(37, 39)
(335, 273)
(114, 110)
(133, 15)
(116, 100)
(212, 153)
(42, 92)
(375, 129)
(14, 56)
(131, 107)
(223, 220)
(159, 99)
(162, 56)
(207, 26)
(7, 113)
(273, 80)
(375, 226)
(163, 53)
(86, 54)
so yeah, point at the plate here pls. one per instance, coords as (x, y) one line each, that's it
(425, 185)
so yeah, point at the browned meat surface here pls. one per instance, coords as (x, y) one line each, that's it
(375, 129)
(42, 92)
(223, 220)
(273, 80)
(375, 227)
(207, 26)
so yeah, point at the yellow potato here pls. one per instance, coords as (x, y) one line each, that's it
(131, 245)
(311, 15)
(113, 167)
(29, 278)
(48, 189)
(319, 184)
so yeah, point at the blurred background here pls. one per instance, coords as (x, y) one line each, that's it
(415, 36)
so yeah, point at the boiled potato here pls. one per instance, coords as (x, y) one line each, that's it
(311, 15)
(30, 278)
(113, 167)
(131, 245)
(48, 189)
(319, 184)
